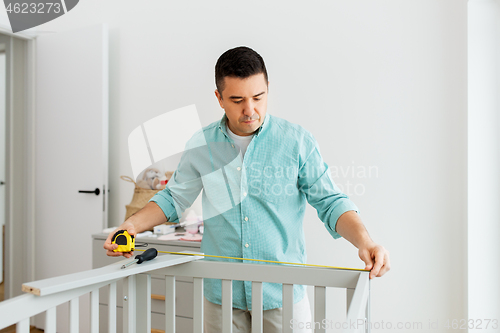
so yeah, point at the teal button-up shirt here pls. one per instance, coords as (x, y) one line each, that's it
(253, 207)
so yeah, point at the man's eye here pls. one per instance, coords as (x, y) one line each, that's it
(256, 99)
(238, 102)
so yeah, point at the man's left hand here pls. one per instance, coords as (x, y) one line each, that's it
(376, 258)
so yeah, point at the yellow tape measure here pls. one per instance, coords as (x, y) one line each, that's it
(125, 241)
(262, 260)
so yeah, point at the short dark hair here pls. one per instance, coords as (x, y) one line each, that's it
(241, 62)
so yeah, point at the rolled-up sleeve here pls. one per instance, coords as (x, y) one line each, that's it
(164, 200)
(315, 181)
(183, 188)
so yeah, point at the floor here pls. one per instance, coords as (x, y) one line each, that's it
(12, 329)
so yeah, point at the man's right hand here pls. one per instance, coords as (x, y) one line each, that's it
(110, 247)
(145, 219)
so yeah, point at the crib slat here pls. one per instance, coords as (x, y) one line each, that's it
(357, 308)
(319, 307)
(257, 323)
(50, 320)
(198, 305)
(112, 308)
(129, 306)
(287, 315)
(23, 326)
(143, 303)
(227, 306)
(74, 315)
(368, 318)
(170, 304)
(94, 311)
(349, 294)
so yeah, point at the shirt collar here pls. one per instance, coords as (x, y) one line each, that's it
(223, 121)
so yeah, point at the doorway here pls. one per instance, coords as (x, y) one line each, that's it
(15, 163)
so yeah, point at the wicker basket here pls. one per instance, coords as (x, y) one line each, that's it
(140, 199)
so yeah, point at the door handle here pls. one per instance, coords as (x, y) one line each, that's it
(96, 191)
(2, 182)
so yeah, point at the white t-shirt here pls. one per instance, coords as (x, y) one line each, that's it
(241, 142)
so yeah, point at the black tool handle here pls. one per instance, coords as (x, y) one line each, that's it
(147, 255)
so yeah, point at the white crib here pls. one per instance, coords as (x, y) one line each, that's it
(45, 295)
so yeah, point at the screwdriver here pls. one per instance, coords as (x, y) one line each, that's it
(147, 255)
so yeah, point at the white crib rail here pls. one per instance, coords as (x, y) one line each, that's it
(47, 294)
(355, 281)
(21, 308)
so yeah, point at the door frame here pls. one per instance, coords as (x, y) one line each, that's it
(20, 160)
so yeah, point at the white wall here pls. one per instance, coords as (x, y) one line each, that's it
(484, 159)
(380, 84)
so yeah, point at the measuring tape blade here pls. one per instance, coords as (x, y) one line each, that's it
(262, 260)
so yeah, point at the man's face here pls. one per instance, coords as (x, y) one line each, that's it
(245, 103)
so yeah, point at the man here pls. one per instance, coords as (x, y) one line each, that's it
(257, 171)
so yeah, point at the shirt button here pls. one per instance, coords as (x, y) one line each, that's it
(246, 245)
(246, 218)
(238, 168)
(245, 194)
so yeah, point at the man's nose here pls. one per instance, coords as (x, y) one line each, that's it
(248, 108)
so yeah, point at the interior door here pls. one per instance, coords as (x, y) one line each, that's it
(71, 152)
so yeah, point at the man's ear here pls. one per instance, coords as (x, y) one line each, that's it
(219, 98)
